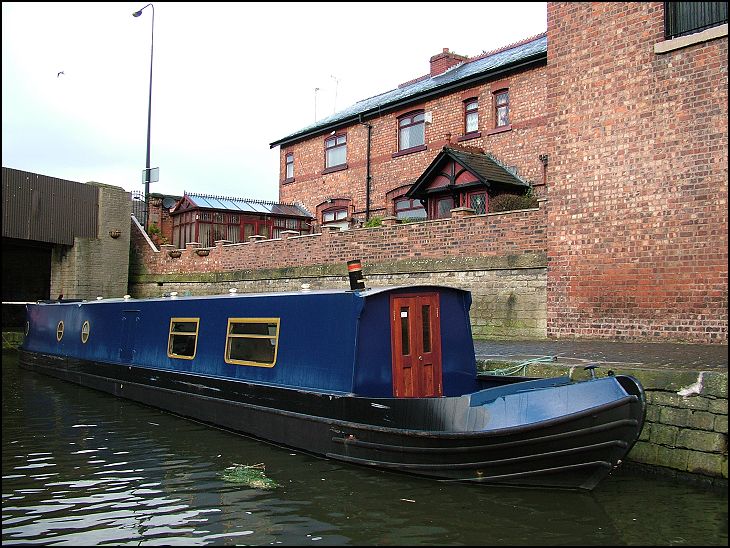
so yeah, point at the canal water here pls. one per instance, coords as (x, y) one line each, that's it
(82, 467)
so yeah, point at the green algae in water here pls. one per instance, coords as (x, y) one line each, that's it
(252, 475)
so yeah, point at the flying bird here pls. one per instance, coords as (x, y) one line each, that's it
(59, 74)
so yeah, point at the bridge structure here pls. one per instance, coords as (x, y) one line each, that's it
(61, 238)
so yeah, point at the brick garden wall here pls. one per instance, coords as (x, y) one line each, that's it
(499, 257)
(637, 217)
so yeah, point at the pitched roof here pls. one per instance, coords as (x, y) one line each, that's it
(477, 69)
(485, 167)
(242, 205)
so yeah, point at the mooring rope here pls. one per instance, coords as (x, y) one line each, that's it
(521, 367)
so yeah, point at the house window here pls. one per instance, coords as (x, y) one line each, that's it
(252, 341)
(214, 226)
(289, 167)
(284, 223)
(333, 215)
(501, 108)
(411, 131)
(409, 209)
(478, 202)
(443, 207)
(471, 116)
(335, 151)
(183, 339)
(683, 18)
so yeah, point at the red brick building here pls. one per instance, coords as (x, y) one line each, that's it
(617, 115)
(638, 179)
(361, 162)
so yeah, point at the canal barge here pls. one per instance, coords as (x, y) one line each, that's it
(382, 377)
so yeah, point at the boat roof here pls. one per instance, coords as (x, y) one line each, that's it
(364, 293)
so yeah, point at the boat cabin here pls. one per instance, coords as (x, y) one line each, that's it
(412, 341)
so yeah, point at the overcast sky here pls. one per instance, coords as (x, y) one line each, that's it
(228, 79)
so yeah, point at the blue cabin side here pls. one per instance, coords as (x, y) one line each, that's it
(333, 341)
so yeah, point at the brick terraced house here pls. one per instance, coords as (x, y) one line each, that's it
(363, 161)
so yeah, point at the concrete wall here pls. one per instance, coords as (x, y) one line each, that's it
(96, 266)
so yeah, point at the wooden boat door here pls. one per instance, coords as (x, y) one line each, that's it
(416, 345)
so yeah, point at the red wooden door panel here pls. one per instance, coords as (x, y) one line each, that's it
(416, 346)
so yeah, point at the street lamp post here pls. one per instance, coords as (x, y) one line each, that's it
(149, 121)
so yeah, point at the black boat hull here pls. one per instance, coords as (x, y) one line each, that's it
(575, 451)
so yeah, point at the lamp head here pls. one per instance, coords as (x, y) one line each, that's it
(137, 13)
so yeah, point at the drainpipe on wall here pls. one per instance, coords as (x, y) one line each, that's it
(544, 160)
(367, 171)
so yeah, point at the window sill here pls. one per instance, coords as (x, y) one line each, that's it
(500, 129)
(467, 136)
(334, 168)
(287, 181)
(409, 151)
(691, 39)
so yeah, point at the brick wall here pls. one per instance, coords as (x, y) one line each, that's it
(500, 258)
(519, 147)
(160, 216)
(509, 234)
(638, 179)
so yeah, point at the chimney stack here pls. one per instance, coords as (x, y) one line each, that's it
(445, 60)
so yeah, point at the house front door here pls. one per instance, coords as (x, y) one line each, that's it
(416, 345)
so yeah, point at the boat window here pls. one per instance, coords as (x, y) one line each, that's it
(85, 330)
(59, 331)
(183, 340)
(252, 341)
(404, 333)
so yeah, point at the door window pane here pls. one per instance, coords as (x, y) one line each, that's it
(404, 331)
(426, 318)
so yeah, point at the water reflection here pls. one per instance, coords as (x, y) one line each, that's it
(85, 468)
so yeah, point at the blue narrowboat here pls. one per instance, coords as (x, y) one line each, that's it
(383, 377)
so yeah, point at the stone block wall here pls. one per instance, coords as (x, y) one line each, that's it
(97, 266)
(681, 434)
(685, 433)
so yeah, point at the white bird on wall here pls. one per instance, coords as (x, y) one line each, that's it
(693, 389)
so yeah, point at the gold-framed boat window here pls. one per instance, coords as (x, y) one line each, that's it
(183, 340)
(252, 341)
(85, 331)
(59, 331)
